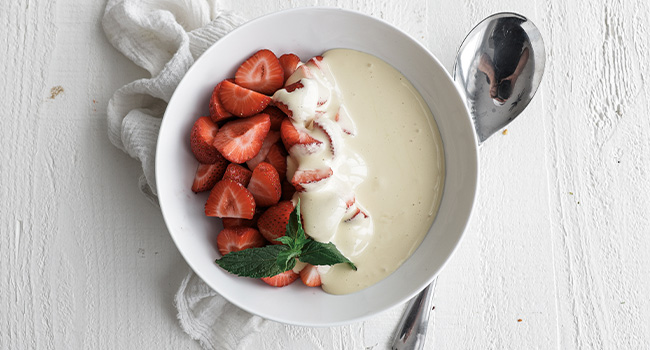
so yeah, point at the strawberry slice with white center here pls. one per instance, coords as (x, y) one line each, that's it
(229, 199)
(289, 63)
(217, 112)
(343, 119)
(201, 138)
(302, 178)
(333, 135)
(240, 140)
(265, 185)
(240, 101)
(238, 238)
(207, 175)
(271, 138)
(292, 136)
(238, 173)
(262, 72)
(273, 222)
(310, 276)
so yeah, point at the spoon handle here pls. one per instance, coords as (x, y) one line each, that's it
(412, 329)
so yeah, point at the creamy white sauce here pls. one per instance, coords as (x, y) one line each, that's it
(385, 152)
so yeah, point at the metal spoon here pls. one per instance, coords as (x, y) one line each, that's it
(498, 68)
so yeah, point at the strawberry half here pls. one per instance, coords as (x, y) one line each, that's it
(201, 138)
(240, 140)
(273, 222)
(217, 112)
(238, 238)
(289, 63)
(310, 276)
(278, 158)
(271, 138)
(238, 173)
(292, 136)
(289, 88)
(281, 279)
(276, 115)
(287, 191)
(232, 222)
(265, 185)
(207, 175)
(240, 101)
(230, 199)
(262, 72)
(305, 177)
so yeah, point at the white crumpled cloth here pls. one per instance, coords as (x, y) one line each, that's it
(165, 37)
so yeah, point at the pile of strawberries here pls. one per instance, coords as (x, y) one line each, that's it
(242, 152)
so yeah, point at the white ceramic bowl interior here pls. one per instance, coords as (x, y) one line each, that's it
(309, 32)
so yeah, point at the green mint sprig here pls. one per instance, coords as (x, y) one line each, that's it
(274, 259)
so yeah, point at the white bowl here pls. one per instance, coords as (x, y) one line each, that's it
(309, 32)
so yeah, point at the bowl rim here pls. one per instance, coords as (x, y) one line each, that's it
(473, 155)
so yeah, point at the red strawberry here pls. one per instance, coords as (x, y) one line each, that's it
(316, 61)
(281, 279)
(289, 63)
(238, 173)
(304, 177)
(287, 191)
(217, 112)
(292, 136)
(262, 72)
(232, 222)
(276, 115)
(265, 185)
(278, 159)
(207, 175)
(240, 140)
(310, 276)
(241, 101)
(230, 199)
(271, 138)
(238, 238)
(201, 137)
(273, 222)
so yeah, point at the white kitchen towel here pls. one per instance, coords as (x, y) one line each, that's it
(165, 37)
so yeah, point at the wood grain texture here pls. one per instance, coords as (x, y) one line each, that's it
(560, 238)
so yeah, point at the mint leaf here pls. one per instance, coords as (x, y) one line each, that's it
(254, 262)
(287, 259)
(285, 240)
(317, 253)
(295, 235)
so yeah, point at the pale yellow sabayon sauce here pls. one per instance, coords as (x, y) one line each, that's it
(386, 158)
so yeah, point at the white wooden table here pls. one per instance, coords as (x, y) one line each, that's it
(557, 255)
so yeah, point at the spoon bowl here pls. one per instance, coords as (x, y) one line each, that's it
(498, 69)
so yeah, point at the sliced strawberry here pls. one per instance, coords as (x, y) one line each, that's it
(273, 222)
(289, 63)
(329, 128)
(217, 112)
(310, 276)
(289, 88)
(345, 122)
(271, 138)
(358, 214)
(265, 185)
(201, 137)
(238, 173)
(292, 136)
(240, 140)
(229, 199)
(207, 175)
(276, 115)
(238, 238)
(305, 177)
(316, 61)
(281, 279)
(287, 191)
(232, 222)
(240, 101)
(278, 158)
(262, 72)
